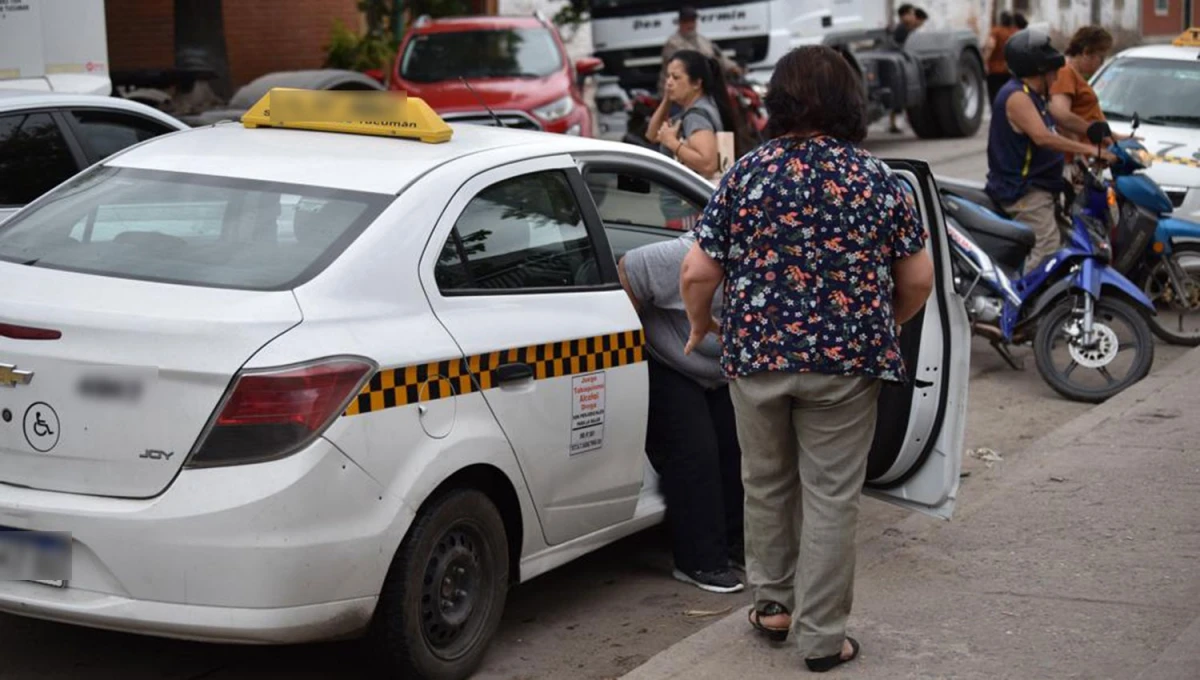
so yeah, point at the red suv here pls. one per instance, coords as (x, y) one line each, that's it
(517, 66)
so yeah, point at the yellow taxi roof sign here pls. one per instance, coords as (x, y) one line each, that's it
(1189, 38)
(384, 114)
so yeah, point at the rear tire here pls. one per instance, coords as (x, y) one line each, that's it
(443, 597)
(1106, 311)
(923, 123)
(959, 108)
(1156, 285)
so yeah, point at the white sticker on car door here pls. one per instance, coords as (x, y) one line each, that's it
(587, 413)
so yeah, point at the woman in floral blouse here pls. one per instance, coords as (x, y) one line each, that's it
(823, 257)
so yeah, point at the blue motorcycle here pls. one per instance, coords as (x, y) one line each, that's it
(1079, 312)
(1160, 253)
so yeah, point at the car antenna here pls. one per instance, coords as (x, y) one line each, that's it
(481, 101)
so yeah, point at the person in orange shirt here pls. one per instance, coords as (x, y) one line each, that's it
(1073, 103)
(993, 55)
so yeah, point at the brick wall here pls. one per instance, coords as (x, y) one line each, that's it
(141, 33)
(1169, 24)
(260, 35)
(281, 35)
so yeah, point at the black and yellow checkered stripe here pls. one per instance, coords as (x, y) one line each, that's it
(392, 387)
(1179, 160)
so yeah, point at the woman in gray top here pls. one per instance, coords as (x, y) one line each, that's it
(696, 88)
(691, 437)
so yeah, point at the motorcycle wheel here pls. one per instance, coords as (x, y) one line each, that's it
(1122, 339)
(1177, 321)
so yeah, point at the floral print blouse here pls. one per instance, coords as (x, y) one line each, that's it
(807, 231)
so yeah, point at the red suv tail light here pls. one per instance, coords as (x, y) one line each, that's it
(270, 414)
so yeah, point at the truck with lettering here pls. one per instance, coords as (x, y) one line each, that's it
(936, 77)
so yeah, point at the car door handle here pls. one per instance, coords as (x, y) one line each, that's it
(921, 384)
(508, 373)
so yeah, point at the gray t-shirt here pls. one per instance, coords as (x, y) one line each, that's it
(653, 275)
(703, 115)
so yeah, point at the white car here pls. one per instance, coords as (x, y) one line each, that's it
(46, 137)
(1161, 84)
(282, 385)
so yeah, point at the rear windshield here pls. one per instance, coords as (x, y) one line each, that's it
(500, 53)
(188, 229)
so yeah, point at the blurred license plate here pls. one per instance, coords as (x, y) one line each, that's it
(41, 556)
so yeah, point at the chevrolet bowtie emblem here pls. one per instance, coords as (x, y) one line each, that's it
(11, 377)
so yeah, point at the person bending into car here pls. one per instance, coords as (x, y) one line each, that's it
(691, 438)
(1025, 152)
(823, 256)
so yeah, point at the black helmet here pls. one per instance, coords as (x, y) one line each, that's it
(1029, 53)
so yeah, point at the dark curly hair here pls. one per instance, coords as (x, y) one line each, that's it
(1089, 40)
(814, 90)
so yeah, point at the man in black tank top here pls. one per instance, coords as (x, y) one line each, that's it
(1025, 153)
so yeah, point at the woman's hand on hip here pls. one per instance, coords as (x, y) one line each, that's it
(698, 334)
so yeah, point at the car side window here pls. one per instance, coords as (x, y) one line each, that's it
(104, 133)
(629, 199)
(525, 233)
(34, 157)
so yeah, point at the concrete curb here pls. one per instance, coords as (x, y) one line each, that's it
(726, 636)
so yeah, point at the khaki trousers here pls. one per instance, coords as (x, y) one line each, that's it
(1037, 210)
(805, 439)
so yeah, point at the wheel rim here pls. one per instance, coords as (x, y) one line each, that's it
(454, 592)
(1108, 362)
(1098, 353)
(970, 89)
(1179, 317)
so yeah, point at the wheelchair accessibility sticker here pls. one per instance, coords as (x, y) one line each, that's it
(41, 427)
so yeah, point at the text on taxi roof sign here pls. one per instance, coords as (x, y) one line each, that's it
(385, 114)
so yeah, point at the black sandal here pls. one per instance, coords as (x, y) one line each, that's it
(769, 609)
(828, 663)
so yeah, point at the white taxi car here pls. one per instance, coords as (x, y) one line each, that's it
(285, 385)
(1161, 84)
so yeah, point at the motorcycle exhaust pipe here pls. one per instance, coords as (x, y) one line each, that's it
(988, 331)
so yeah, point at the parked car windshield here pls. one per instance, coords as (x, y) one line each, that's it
(1130, 86)
(507, 53)
(188, 229)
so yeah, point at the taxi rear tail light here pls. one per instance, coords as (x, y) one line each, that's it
(270, 414)
(8, 330)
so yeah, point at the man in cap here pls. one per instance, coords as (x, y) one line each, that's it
(688, 38)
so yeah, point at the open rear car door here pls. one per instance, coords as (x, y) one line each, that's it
(916, 458)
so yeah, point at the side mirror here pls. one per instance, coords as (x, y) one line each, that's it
(1137, 120)
(589, 66)
(1097, 132)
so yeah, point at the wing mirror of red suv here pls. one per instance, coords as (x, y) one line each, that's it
(588, 66)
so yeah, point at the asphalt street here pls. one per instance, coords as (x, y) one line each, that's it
(607, 613)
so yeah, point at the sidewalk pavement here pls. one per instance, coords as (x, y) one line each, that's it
(1080, 561)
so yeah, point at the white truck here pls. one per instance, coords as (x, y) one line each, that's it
(937, 77)
(54, 46)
